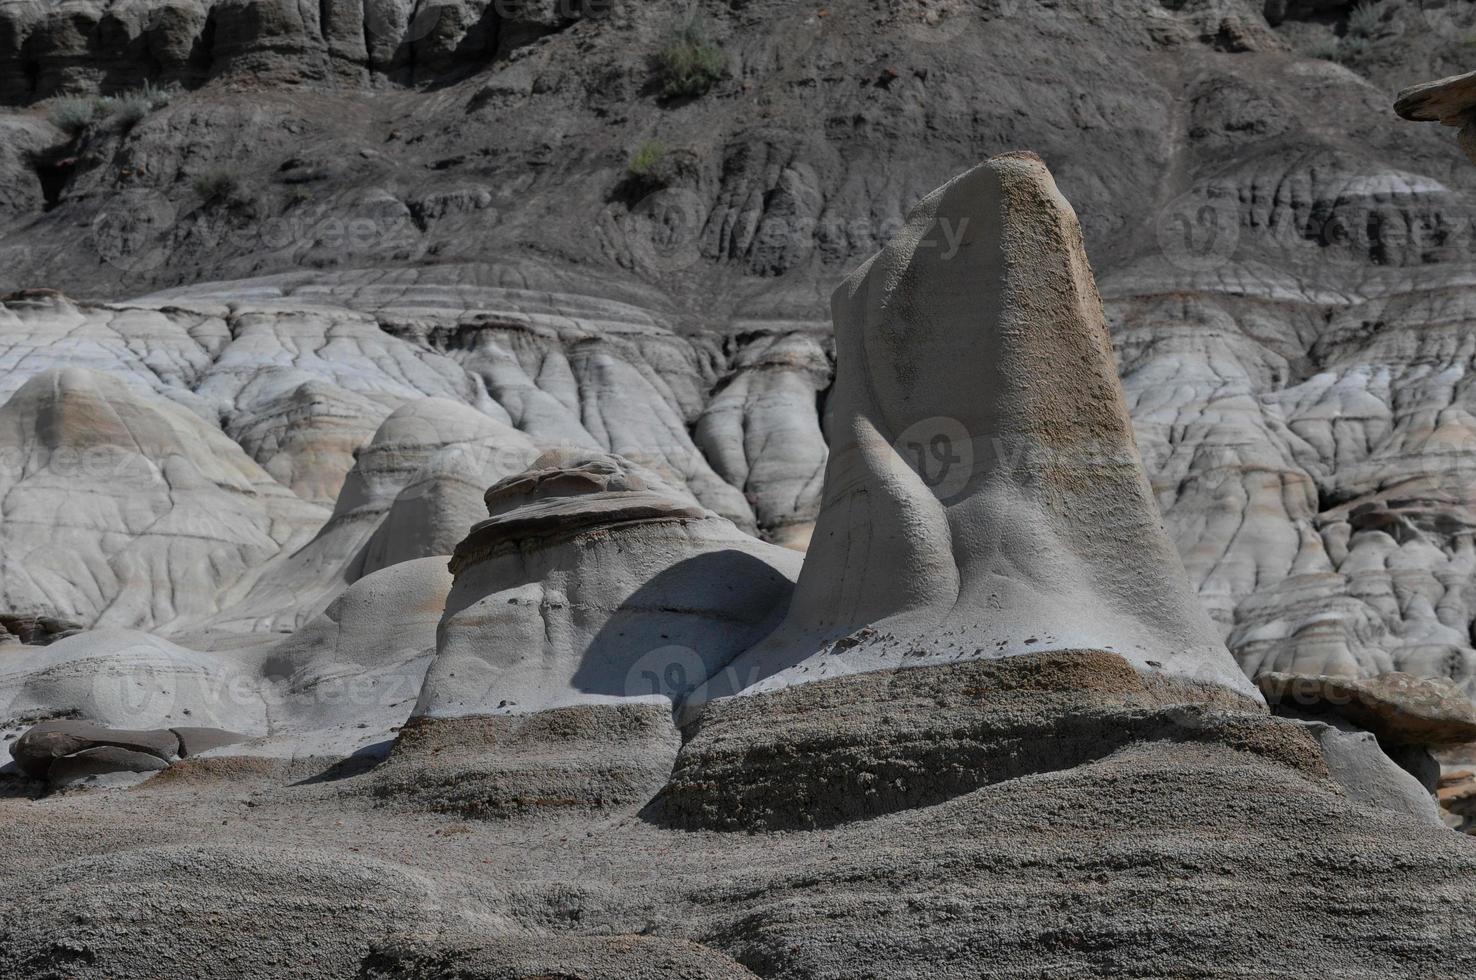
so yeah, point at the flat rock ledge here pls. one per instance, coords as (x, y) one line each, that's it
(562, 494)
(65, 752)
(856, 747)
(1400, 709)
(1445, 100)
(584, 757)
(1449, 101)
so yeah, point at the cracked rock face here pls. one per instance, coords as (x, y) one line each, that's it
(984, 497)
(86, 43)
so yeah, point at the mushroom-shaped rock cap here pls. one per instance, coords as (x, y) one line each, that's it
(1450, 101)
(567, 490)
(1446, 100)
(984, 496)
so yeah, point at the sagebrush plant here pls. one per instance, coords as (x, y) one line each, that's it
(1364, 19)
(689, 62)
(130, 108)
(1352, 48)
(645, 162)
(74, 115)
(1327, 49)
(219, 187)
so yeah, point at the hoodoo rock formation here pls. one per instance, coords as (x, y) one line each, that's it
(984, 497)
(592, 598)
(593, 582)
(987, 546)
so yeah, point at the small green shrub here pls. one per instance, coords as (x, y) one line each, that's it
(1364, 19)
(74, 115)
(130, 108)
(1326, 49)
(219, 187)
(1352, 49)
(1344, 50)
(128, 112)
(689, 63)
(645, 162)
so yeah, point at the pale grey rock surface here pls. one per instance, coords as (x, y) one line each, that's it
(761, 431)
(1369, 776)
(129, 680)
(125, 509)
(344, 682)
(414, 490)
(352, 673)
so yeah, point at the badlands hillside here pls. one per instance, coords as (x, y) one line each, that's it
(338, 212)
(625, 488)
